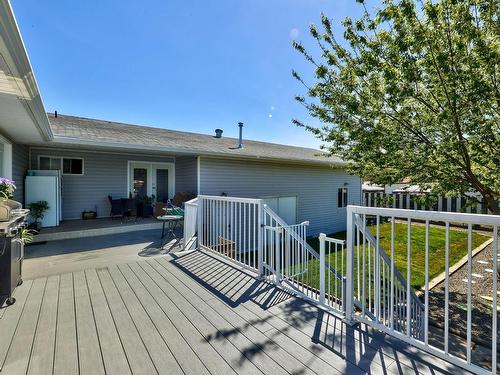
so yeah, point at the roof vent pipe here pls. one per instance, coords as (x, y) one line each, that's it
(240, 143)
(218, 133)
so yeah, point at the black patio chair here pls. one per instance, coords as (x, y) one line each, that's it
(129, 206)
(116, 207)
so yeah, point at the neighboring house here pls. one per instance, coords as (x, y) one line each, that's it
(100, 158)
(404, 186)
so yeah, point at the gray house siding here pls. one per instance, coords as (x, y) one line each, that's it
(186, 174)
(104, 174)
(315, 187)
(20, 163)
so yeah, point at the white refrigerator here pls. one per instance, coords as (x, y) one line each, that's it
(45, 186)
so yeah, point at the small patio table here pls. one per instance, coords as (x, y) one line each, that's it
(170, 224)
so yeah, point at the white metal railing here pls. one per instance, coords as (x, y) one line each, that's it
(190, 223)
(291, 262)
(332, 268)
(360, 282)
(230, 227)
(382, 292)
(375, 290)
(250, 233)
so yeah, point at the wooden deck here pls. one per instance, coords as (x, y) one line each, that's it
(192, 314)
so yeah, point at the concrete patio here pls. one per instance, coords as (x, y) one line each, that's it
(71, 255)
(193, 314)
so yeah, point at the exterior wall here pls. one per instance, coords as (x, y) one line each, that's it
(20, 164)
(186, 174)
(315, 188)
(104, 174)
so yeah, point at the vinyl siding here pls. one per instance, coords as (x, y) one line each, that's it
(20, 162)
(104, 174)
(315, 188)
(186, 174)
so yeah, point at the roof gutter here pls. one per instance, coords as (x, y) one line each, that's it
(31, 98)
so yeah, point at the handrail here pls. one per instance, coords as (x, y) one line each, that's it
(369, 236)
(294, 235)
(230, 199)
(193, 201)
(459, 217)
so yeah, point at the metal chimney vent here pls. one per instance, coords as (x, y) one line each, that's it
(218, 133)
(240, 142)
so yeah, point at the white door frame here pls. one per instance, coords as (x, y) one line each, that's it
(151, 167)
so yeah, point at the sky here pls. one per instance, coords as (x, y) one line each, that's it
(189, 65)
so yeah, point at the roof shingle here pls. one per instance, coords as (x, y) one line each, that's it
(91, 131)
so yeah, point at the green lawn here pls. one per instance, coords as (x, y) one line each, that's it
(458, 249)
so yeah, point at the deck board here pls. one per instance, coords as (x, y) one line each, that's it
(312, 355)
(10, 318)
(181, 350)
(197, 342)
(66, 349)
(115, 360)
(303, 333)
(89, 347)
(16, 361)
(42, 356)
(187, 314)
(225, 331)
(280, 354)
(135, 350)
(224, 348)
(162, 357)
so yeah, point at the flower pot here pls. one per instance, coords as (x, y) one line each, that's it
(89, 215)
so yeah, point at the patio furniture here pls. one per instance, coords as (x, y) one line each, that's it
(181, 197)
(122, 207)
(170, 224)
(129, 208)
(160, 209)
(116, 207)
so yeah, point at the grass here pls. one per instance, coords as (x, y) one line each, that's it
(458, 249)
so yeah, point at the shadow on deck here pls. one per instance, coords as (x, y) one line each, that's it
(191, 314)
(360, 347)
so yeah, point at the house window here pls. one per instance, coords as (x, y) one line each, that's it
(49, 163)
(72, 166)
(342, 197)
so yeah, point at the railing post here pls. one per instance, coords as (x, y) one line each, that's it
(279, 245)
(322, 241)
(260, 234)
(349, 292)
(199, 214)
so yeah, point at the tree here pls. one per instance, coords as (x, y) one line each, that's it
(412, 91)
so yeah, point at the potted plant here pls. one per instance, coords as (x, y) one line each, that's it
(7, 188)
(37, 212)
(88, 215)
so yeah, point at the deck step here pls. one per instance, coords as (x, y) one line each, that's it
(82, 233)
